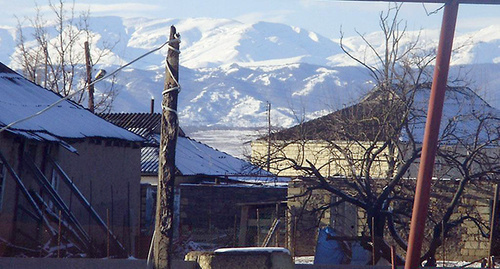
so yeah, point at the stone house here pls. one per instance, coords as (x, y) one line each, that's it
(337, 145)
(69, 181)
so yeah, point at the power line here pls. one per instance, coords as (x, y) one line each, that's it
(92, 83)
(432, 12)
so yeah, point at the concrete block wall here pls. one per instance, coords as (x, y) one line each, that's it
(475, 245)
(465, 242)
(320, 153)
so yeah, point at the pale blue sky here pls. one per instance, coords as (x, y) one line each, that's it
(322, 16)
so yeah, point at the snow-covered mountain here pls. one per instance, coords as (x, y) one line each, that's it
(230, 70)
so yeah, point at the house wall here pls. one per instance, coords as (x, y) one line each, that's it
(328, 160)
(9, 149)
(463, 243)
(331, 161)
(473, 245)
(113, 169)
(108, 174)
(19, 221)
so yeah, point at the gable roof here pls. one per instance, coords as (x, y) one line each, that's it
(139, 123)
(192, 157)
(21, 98)
(364, 121)
(357, 122)
(195, 158)
(466, 117)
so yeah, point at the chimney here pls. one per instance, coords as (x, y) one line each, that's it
(152, 105)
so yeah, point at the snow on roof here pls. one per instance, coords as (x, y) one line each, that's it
(195, 158)
(255, 250)
(465, 116)
(20, 98)
(192, 157)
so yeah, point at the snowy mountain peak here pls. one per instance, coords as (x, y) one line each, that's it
(230, 69)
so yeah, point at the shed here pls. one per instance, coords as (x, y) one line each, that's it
(69, 180)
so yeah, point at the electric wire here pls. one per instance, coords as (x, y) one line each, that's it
(92, 83)
(177, 88)
(432, 12)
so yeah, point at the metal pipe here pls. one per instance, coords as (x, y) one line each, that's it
(486, 2)
(88, 206)
(393, 257)
(431, 135)
(27, 195)
(493, 223)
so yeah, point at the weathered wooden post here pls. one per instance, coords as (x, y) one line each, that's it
(90, 86)
(164, 226)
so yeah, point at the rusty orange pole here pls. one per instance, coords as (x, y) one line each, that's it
(393, 257)
(431, 135)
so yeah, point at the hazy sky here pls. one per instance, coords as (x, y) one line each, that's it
(322, 16)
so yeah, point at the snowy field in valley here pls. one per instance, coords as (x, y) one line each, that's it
(234, 141)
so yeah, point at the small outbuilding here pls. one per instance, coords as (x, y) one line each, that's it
(69, 180)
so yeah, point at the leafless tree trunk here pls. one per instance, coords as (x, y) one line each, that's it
(369, 164)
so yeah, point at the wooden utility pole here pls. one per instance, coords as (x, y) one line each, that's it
(89, 77)
(268, 163)
(46, 53)
(164, 226)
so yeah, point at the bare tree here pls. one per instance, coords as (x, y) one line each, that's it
(366, 154)
(51, 53)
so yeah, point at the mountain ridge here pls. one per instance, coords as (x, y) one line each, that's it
(230, 70)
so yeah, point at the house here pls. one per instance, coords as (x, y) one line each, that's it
(212, 187)
(361, 148)
(69, 180)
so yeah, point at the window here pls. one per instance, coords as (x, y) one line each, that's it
(54, 182)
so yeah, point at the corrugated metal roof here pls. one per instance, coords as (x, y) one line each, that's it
(195, 158)
(192, 157)
(143, 124)
(149, 160)
(20, 98)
